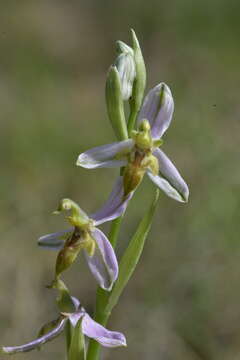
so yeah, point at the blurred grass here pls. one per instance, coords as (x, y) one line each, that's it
(183, 302)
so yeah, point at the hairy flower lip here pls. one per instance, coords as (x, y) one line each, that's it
(98, 251)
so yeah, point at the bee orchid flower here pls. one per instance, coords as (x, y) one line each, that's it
(141, 154)
(89, 328)
(84, 235)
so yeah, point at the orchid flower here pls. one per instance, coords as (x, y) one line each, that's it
(84, 235)
(141, 153)
(93, 330)
(89, 328)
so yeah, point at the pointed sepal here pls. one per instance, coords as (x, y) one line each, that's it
(35, 344)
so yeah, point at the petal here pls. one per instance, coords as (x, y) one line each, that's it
(169, 179)
(36, 343)
(103, 264)
(105, 337)
(115, 206)
(158, 109)
(105, 156)
(54, 241)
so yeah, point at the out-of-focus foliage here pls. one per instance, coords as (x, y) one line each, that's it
(184, 299)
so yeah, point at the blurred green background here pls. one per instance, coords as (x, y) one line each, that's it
(184, 299)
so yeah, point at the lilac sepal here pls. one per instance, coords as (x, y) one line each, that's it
(54, 241)
(169, 179)
(115, 206)
(96, 331)
(158, 114)
(38, 342)
(103, 264)
(75, 317)
(76, 302)
(105, 155)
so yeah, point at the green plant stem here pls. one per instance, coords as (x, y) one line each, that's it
(114, 230)
(101, 316)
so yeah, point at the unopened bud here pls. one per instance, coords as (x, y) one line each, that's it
(126, 68)
(114, 103)
(121, 47)
(140, 80)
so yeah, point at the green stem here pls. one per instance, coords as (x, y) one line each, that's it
(114, 230)
(102, 296)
